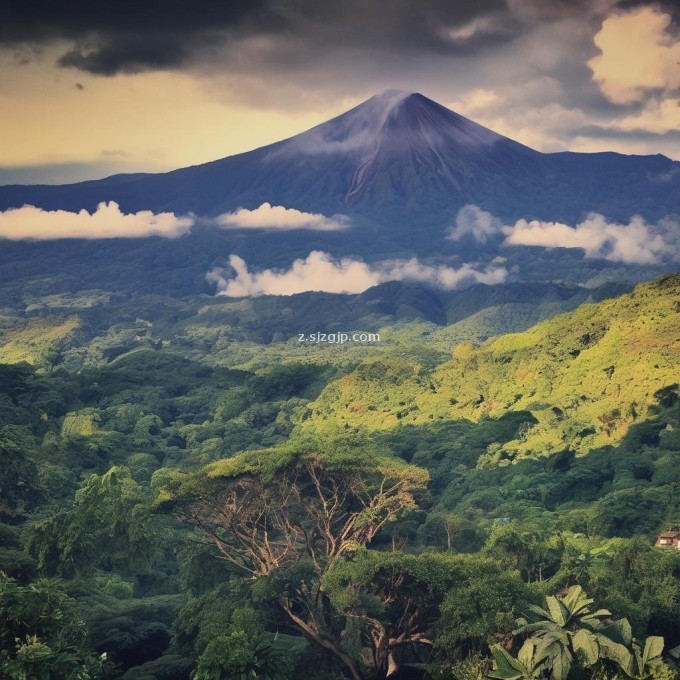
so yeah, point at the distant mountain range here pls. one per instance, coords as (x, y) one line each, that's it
(399, 165)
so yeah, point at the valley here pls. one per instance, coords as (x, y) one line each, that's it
(520, 463)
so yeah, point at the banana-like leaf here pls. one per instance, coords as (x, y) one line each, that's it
(618, 631)
(507, 668)
(653, 650)
(528, 655)
(538, 627)
(619, 654)
(595, 621)
(599, 613)
(573, 594)
(557, 635)
(545, 646)
(540, 611)
(586, 646)
(558, 612)
(568, 629)
(553, 648)
(560, 663)
(576, 600)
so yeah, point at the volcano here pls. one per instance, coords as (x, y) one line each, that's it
(396, 160)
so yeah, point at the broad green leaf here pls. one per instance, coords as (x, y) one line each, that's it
(539, 626)
(653, 649)
(576, 601)
(586, 647)
(599, 613)
(618, 631)
(540, 611)
(617, 653)
(558, 612)
(507, 668)
(561, 663)
(526, 655)
(573, 593)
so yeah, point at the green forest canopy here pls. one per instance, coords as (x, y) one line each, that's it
(164, 515)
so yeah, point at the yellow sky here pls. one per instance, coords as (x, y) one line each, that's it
(160, 118)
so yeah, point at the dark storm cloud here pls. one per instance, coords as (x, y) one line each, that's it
(670, 7)
(35, 20)
(585, 9)
(124, 37)
(112, 37)
(554, 9)
(400, 24)
(128, 53)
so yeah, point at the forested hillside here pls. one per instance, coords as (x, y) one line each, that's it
(585, 377)
(184, 494)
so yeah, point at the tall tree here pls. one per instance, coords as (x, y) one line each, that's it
(284, 516)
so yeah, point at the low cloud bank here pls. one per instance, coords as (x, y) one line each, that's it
(321, 272)
(107, 221)
(637, 242)
(269, 216)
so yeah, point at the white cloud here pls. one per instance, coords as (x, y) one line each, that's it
(637, 55)
(269, 216)
(316, 272)
(472, 221)
(441, 276)
(635, 242)
(320, 272)
(107, 221)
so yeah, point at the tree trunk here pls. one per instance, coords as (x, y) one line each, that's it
(381, 654)
(392, 666)
(349, 665)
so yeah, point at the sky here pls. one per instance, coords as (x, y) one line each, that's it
(90, 89)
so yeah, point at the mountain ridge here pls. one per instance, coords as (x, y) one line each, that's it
(393, 155)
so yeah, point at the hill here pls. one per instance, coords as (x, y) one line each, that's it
(94, 327)
(585, 376)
